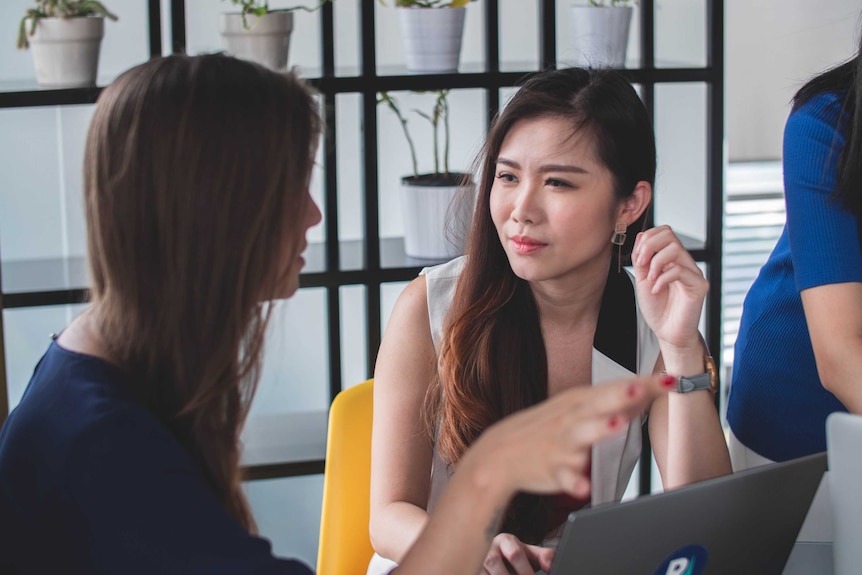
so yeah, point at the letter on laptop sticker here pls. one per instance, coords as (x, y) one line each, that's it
(688, 560)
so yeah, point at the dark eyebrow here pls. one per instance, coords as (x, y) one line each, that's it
(545, 168)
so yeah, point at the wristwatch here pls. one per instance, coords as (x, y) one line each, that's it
(707, 380)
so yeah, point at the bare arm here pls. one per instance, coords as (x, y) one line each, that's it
(685, 431)
(401, 449)
(833, 313)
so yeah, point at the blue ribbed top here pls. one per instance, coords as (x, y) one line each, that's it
(777, 406)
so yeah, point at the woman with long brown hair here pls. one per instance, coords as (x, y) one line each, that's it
(540, 304)
(123, 455)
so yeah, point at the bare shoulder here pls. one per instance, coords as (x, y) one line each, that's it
(413, 300)
(407, 349)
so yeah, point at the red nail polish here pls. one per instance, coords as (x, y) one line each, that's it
(632, 390)
(613, 421)
(668, 380)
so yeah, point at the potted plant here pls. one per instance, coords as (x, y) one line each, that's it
(259, 33)
(600, 31)
(65, 37)
(431, 31)
(436, 207)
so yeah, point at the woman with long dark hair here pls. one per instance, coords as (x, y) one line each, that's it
(123, 455)
(538, 305)
(798, 354)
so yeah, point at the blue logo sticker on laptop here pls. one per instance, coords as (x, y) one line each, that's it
(688, 560)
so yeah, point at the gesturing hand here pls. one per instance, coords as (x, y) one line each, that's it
(546, 448)
(670, 286)
(541, 449)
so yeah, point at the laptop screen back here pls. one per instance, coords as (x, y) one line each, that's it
(843, 440)
(741, 523)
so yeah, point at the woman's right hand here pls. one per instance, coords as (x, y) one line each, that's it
(542, 449)
(508, 555)
(545, 448)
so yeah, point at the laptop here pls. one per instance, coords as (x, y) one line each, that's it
(738, 524)
(844, 445)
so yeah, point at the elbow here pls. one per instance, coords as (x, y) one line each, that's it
(380, 534)
(828, 383)
(830, 374)
(375, 529)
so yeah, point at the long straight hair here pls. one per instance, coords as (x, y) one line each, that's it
(493, 360)
(846, 81)
(195, 177)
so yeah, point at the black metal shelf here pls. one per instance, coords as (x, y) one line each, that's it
(28, 94)
(60, 281)
(374, 261)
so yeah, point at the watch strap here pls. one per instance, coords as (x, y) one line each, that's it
(707, 380)
(693, 383)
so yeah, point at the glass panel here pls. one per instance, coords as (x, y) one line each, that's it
(680, 33)
(41, 203)
(354, 345)
(390, 46)
(519, 36)
(73, 122)
(680, 123)
(202, 32)
(348, 50)
(568, 54)
(126, 43)
(287, 512)
(467, 125)
(31, 222)
(348, 120)
(295, 375)
(26, 332)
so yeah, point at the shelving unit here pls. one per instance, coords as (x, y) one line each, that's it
(376, 261)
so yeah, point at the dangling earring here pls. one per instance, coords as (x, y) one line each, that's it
(618, 239)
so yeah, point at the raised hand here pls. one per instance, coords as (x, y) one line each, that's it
(670, 286)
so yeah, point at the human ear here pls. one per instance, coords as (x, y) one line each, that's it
(636, 203)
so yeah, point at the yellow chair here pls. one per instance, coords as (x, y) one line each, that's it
(345, 545)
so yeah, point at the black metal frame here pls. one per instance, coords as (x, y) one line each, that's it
(371, 272)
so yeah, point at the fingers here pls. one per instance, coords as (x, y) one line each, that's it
(610, 403)
(508, 554)
(545, 448)
(544, 556)
(658, 256)
(599, 412)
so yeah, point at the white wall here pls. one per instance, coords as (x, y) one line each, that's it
(772, 47)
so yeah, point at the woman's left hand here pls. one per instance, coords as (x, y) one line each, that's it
(670, 286)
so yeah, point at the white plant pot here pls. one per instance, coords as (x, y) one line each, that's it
(600, 35)
(266, 41)
(66, 50)
(436, 219)
(432, 38)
